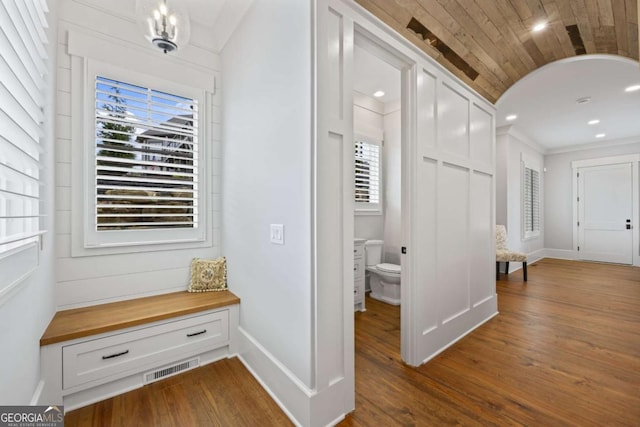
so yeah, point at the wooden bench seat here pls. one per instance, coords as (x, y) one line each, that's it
(86, 321)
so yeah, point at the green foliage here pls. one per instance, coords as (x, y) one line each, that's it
(116, 132)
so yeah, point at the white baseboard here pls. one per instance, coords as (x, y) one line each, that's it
(532, 258)
(535, 256)
(293, 397)
(560, 254)
(35, 399)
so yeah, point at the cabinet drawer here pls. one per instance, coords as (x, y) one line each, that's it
(358, 268)
(358, 251)
(358, 291)
(122, 354)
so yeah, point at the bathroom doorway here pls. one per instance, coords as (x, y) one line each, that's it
(378, 148)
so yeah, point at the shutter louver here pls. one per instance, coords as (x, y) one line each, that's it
(23, 73)
(367, 173)
(531, 200)
(146, 158)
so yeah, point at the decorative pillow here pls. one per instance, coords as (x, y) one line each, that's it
(208, 275)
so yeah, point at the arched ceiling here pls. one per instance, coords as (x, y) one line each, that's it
(490, 44)
(556, 109)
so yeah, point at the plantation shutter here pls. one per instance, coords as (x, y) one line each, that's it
(146, 158)
(531, 200)
(367, 173)
(23, 71)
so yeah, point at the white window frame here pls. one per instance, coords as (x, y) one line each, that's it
(527, 162)
(88, 241)
(370, 208)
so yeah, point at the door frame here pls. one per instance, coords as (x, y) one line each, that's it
(370, 42)
(634, 159)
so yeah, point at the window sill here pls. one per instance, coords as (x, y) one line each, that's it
(528, 237)
(16, 266)
(366, 212)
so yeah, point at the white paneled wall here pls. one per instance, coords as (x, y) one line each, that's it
(91, 280)
(452, 284)
(392, 171)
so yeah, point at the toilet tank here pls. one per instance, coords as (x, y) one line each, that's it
(373, 252)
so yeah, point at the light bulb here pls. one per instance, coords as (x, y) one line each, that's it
(163, 9)
(156, 14)
(173, 20)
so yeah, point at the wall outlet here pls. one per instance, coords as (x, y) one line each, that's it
(277, 234)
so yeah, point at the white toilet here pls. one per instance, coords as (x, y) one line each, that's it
(384, 279)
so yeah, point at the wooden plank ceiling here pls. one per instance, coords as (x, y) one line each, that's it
(490, 44)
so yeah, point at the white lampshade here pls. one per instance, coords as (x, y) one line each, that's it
(165, 23)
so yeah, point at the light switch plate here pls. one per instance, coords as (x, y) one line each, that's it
(277, 234)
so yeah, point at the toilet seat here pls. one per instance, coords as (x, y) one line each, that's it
(389, 268)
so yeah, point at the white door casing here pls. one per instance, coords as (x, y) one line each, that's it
(448, 185)
(605, 195)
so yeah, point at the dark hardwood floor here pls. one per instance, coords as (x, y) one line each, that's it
(219, 394)
(565, 350)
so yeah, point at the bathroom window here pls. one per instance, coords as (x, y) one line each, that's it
(368, 173)
(530, 199)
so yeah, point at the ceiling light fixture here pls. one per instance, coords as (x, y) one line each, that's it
(583, 100)
(632, 88)
(378, 94)
(593, 122)
(600, 135)
(165, 23)
(539, 27)
(511, 117)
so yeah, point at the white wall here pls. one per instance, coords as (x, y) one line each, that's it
(96, 279)
(368, 114)
(510, 147)
(392, 172)
(267, 180)
(558, 189)
(26, 310)
(380, 121)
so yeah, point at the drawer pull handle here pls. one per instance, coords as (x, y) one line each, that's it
(197, 333)
(111, 356)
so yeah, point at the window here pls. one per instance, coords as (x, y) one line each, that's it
(530, 200)
(23, 67)
(146, 158)
(367, 182)
(143, 179)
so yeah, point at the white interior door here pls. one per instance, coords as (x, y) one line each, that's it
(451, 239)
(605, 213)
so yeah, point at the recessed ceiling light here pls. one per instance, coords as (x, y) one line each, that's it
(593, 122)
(378, 94)
(511, 117)
(600, 135)
(632, 88)
(583, 100)
(539, 27)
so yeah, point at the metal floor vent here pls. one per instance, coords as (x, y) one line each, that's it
(168, 371)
